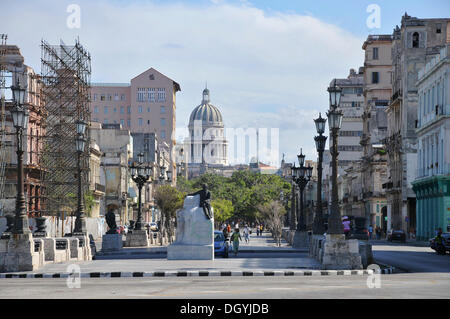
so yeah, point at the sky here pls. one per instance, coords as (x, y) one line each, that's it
(267, 63)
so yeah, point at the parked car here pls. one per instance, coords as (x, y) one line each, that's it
(221, 244)
(446, 237)
(396, 234)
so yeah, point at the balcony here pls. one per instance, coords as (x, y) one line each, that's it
(100, 188)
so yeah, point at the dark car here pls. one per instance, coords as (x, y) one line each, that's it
(396, 235)
(446, 241)
(221, 245)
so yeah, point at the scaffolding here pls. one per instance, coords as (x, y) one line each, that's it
(3, 76)
(65, 76)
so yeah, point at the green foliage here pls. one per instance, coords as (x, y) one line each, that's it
(223, 210)
(168, 199)
(89, 201)
(244, 189)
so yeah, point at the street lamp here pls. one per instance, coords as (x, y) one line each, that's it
(80, 143)
(140, 174)
(20, 117)
(318, 225)
(302, 175)
(334, 122)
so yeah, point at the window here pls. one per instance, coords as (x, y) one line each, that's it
(95, 97)
(96, 109)
(105, 109)
(116, 97)
(96, 120)
(105, 121)
(122, 122)
(375, 53)
(102, 97)
(151, 94)
(163, 134)
(129, 110)
(163, 109)
(128, 122)
(109, 97)
(140, 109)
(375, 77)
(161, 95)
(122, 110)
(122, 97)
(140, 121)
(163, 121)
(115, 109)
(415, 40)
(438, 27)
(148, 122)
(148, 109)
(141, 95)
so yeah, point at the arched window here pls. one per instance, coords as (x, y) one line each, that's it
(415, 40)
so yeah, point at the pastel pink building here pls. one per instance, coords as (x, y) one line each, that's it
(145, 105)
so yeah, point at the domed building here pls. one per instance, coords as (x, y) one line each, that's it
(208, 146)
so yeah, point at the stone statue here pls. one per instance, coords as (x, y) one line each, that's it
(111, 221)
(205, 200)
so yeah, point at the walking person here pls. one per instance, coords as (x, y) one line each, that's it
(246, 234)
(370, 231)
(260, 230)
(235, 238)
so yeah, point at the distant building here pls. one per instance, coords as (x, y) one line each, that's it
(208, 147)
(352, 106)
(145, 105)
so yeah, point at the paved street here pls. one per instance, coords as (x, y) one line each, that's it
(411, 258)
(431, 285)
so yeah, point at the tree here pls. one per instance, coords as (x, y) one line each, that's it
(272, 213)
(223, 210)
(169, 200)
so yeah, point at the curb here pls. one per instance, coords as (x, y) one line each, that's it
(199, 273)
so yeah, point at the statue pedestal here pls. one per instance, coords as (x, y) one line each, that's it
(112, 242)
(137, 238)
(20, 253)
(195, 233)
(301, 239)
(340, 253)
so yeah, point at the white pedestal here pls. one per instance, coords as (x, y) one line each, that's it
(112, 242)
(20, 254)
(195, 233)
(339, 253)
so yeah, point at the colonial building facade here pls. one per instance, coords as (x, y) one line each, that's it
(432, 184)
(377, 94)
(414, 44)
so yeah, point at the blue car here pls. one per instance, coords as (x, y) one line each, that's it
(221, 246)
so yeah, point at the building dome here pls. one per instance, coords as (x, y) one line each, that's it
(206, 112)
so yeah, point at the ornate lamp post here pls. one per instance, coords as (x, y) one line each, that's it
(80, 221)
(318, 226)
(302, 177)
(140, 174)
(334, 122)
(292, 219)
(20, 117)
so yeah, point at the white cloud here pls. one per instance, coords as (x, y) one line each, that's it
(263, 70)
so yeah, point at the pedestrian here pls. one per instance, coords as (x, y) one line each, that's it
(346, 224)
(229, 228)
(378, 232)
(235, 238)
(246, 234)
(260, 229)
(370, 231)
